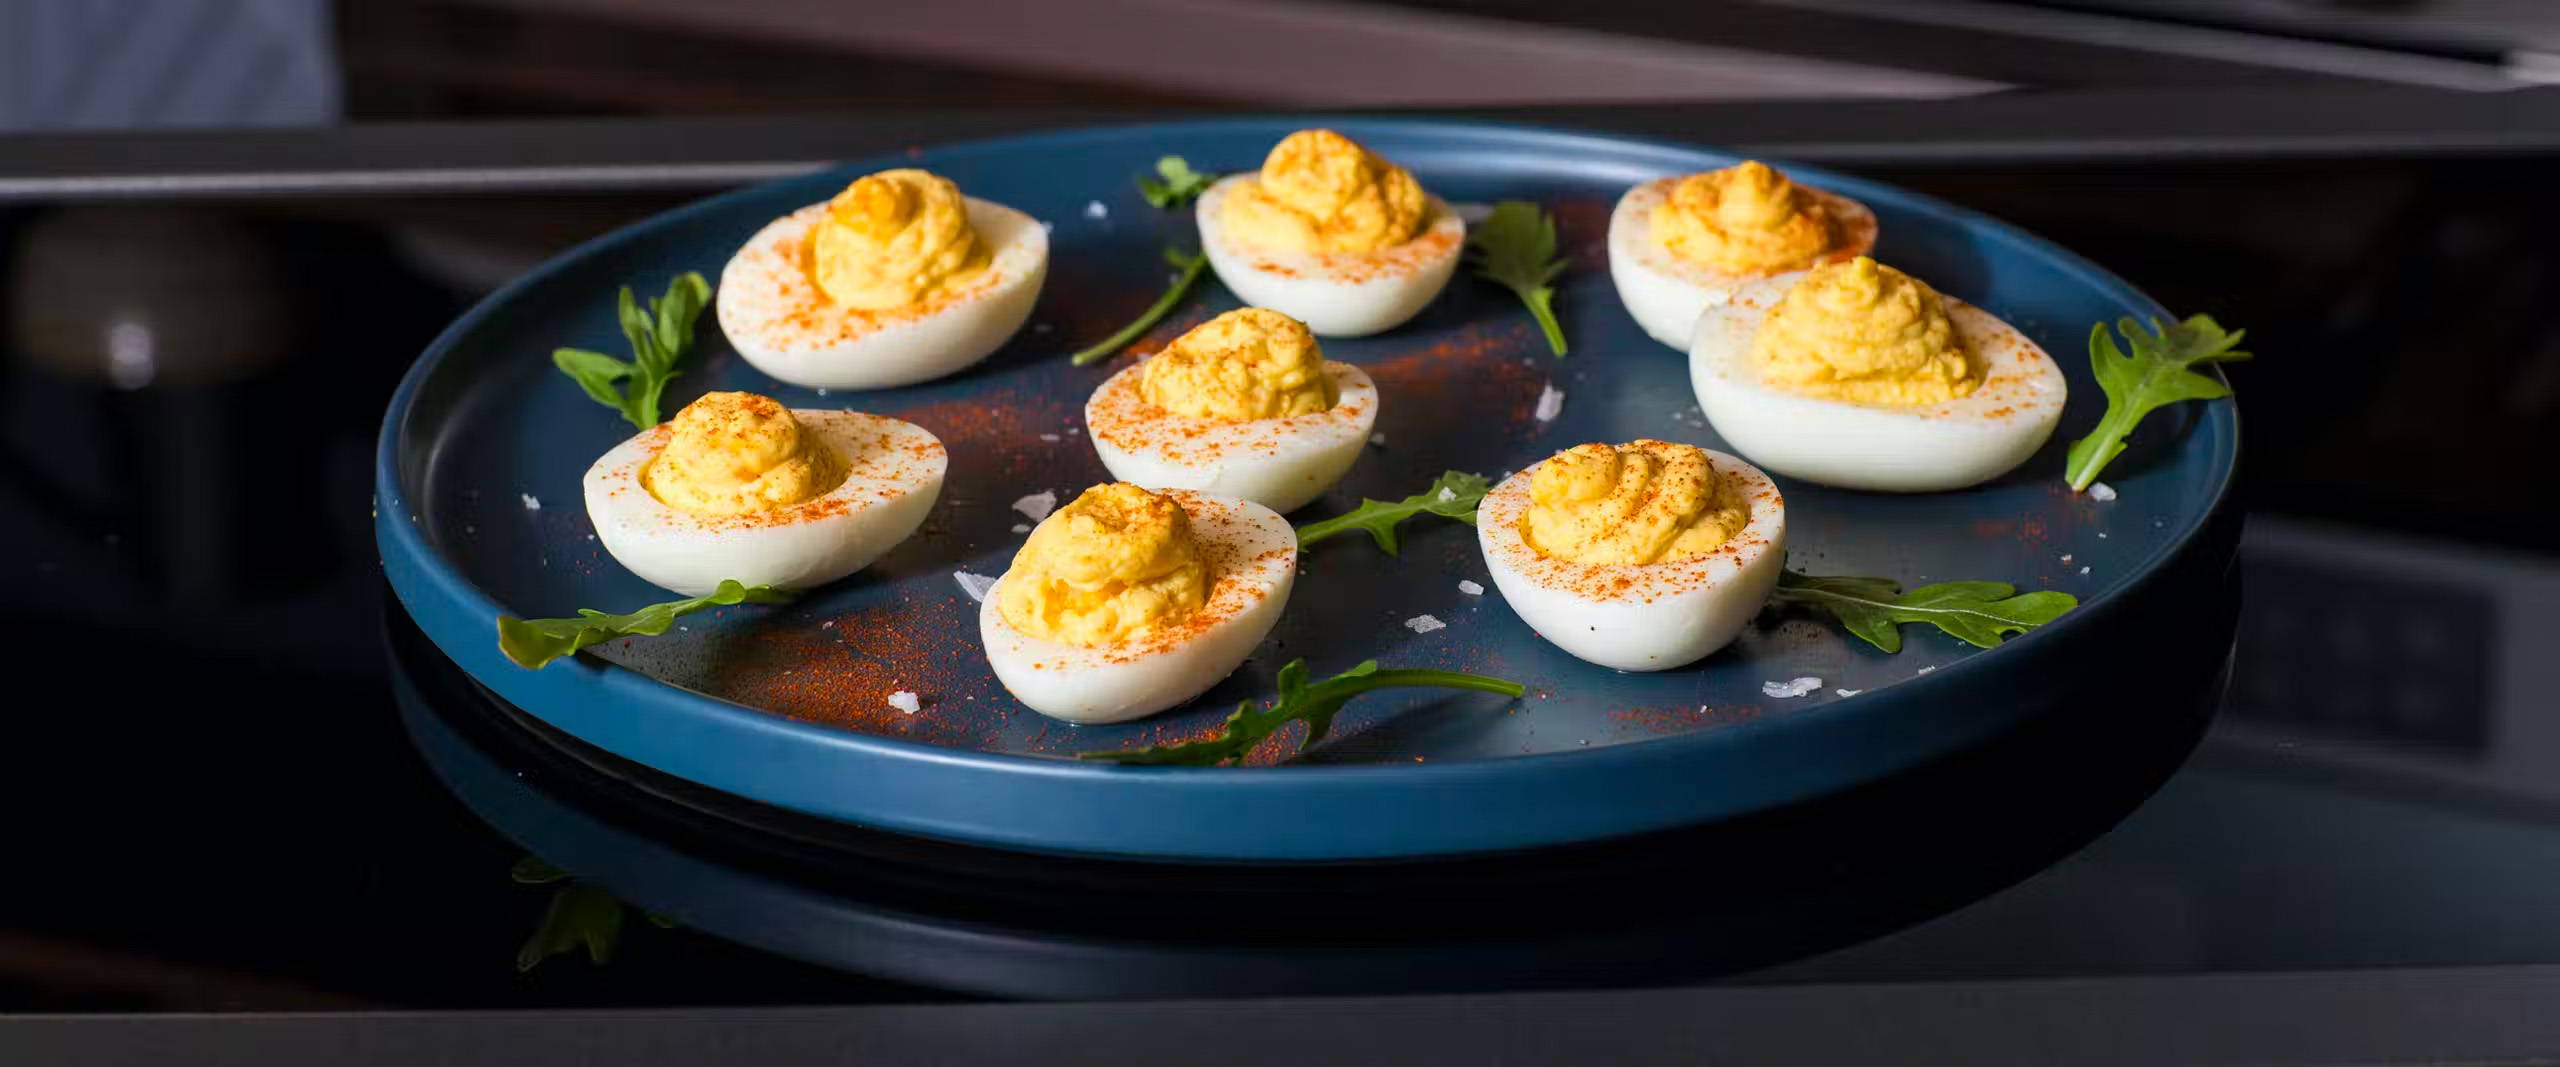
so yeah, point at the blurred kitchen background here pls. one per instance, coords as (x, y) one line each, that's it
(192, 372)
(111, 63)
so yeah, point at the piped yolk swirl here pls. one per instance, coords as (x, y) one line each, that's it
(739, 453)
(893, 239)
(1116, 563)
(1644, 502)
(1320, 191)
(1245, 365)
(1746, 219)
(1864, 332)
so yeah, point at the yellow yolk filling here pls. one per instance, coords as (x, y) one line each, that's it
(1320, 191)
(1645, 502)
(1116, 563)
(1746, 219)
(1864, 332)
(736, 453)
(892, 239)
(1247, 364)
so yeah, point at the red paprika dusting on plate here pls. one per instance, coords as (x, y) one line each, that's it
(842, 674)
(1460, 381)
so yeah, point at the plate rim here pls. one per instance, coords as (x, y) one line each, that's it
(418, 568)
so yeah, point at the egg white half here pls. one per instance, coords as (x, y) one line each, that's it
(1920, 449)
(1638, 617)
(1665, 293)
(1337, 294)
(1252, 558)
(894, 474)
(1281, 464)
(780, 321)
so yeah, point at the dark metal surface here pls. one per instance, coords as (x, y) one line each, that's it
(2467, 1015)
(627, 154)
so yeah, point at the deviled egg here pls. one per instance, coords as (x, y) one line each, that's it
(738, 486)
(1642, 556)
(1331, 235)
(898, 279)
(1678, 246)
(1860, 376)
(1243, 405)
(1126, 602)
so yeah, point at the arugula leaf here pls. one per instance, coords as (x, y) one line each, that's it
(2160, 371)
(534, 870)
(1315, 703)
(1874, 609)
(1180, 184)
(534, 643)
(659, 339)
(1191, 264)
(577, 915)
(1516, 246)
(1455, 496)
(594, 372)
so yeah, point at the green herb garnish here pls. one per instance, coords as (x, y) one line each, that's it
(534, 643)
(1977, 613)
(1316, 703)
(1516, 245)
(1454, 496)
(534, 870)
(1180, 183)
(2160, 371)
(578, 915)
(659, 338)
(1191, 263)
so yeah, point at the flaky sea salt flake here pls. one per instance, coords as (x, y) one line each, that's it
(976, 585)
(1550, 403)
(906, 701)
(1790, 689)
(1470, 588)
(1423, 624)
(1038, 505)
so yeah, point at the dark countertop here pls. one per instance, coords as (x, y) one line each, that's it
(249, 825)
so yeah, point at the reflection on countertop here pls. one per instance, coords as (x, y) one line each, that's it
(2382, 788)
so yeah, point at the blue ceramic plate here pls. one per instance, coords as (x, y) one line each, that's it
(788, 705)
